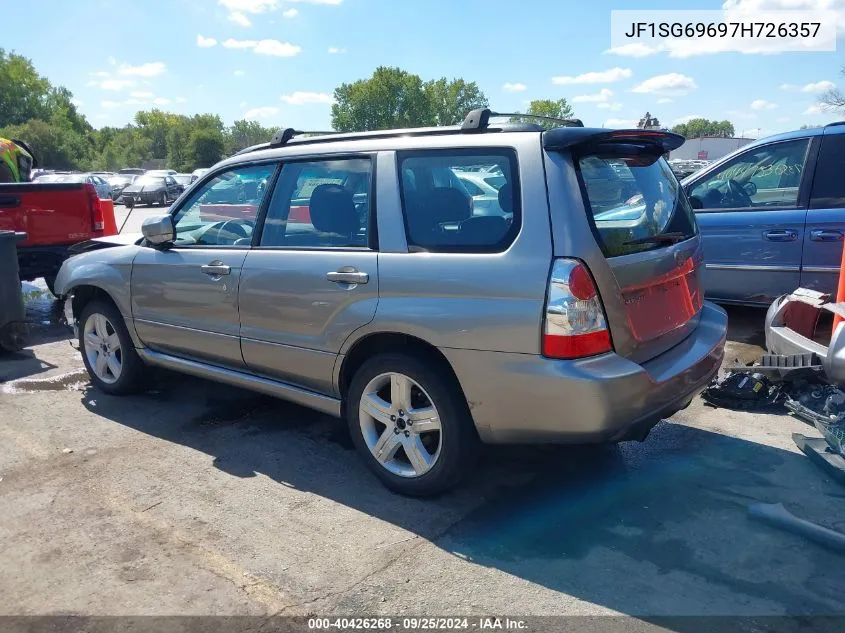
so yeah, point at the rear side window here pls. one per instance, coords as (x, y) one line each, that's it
(634, 201)
(829, 183)
(443, 214)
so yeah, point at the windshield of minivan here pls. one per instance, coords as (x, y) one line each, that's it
(635, 201)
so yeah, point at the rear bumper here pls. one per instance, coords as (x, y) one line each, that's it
(41, 261)
(521, 398)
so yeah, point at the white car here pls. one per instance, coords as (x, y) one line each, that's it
(485, 196)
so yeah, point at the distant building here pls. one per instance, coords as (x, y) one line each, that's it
(708, 147)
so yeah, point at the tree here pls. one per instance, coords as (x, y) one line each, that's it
(648, 121)
(54, 146)
(833, 99)
(391, 98)
(243, 134)
(452, 100)
(696, 128)
(205, 147)
(23, 91)
(557, 109)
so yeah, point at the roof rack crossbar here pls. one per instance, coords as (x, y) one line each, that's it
(479, 120)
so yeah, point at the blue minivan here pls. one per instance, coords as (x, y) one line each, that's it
(772, 216)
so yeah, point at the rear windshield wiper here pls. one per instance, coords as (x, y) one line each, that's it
(662, 238)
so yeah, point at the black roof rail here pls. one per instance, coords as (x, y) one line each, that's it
(479, 120)
(834, 123)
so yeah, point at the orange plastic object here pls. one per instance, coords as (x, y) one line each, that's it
(109, 223)
(840, 291)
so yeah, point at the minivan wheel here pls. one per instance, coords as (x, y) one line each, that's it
(411, 425)
(107, 350)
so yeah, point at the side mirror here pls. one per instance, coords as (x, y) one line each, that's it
(158, 229)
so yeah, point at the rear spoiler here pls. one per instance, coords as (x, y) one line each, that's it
(645, 140)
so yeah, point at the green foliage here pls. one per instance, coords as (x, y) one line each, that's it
(53, 145)
(451, 100)
(23, 92)
(245, 134)
(697, 128)
(557, 109)
(205, 147)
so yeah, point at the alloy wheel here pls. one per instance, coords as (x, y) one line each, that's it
(102, 348)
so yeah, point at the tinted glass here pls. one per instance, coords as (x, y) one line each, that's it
(440, 212)
(633, 197)
(320, 204)
(767, 176)
(829, 181)
(223, 211)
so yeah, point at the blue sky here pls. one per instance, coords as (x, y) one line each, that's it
(278, 61)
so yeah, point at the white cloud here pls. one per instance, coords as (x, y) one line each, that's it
(665, 100)
(762, 104)
(206, 42)
(233, 43)
(634, 49)
(290, 13)
(239, 18)
(602, 95)
(181, 100)
(686, 119)
(161, 101)
(668, 84)
(814, 109)
(261, 113)
(239, 73)
(509, 87)
(141, 94)
(303, 98)
(789, 87)
(110, 104)
(116, 84)
(150, 69)
(250, 6)
(334, 50)
(621, 123)
(614, 107)
(819, 86)
(277, 48)
(602, 77)
(335, 2)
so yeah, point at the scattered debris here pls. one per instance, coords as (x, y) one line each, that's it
(820, 453)
(778, 516)
(67, 451)
(744, 390)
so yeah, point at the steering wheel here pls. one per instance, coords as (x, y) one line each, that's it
(225, 233)
(736, 196)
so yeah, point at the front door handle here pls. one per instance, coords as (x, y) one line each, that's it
(216, 269)
(781, 235)
(348, 275)
(820, 235)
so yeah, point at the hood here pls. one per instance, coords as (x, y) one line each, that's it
(147, 188)
(121, 239)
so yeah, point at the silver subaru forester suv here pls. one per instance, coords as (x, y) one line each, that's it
(358, 275)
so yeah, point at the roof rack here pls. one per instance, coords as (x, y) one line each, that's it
(476, 121)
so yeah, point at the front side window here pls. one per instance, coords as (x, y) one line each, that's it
(321, 204)
(764, 177)
(223, 211)
(445, 212)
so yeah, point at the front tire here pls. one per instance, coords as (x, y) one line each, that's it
(107, 350)
(411, 425)
(163, 200)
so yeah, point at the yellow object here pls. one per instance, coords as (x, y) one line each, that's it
(16, 158)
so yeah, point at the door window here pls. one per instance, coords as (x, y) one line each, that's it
(223, 211)
(764, 177)
(321, 204)
(829, 183)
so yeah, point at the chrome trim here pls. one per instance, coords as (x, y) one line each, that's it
(324, 404)
(759, 268)
(820, 269)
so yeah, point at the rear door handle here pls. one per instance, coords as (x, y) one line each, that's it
(348, 277)
(781, 235)
(216, 270)
(821, 235)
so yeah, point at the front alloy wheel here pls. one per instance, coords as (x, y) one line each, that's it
(400, 425)
(102, 348)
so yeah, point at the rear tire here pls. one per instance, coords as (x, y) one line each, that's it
(107, 350)
(437, 457)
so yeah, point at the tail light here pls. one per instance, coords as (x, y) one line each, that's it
(98, 222)
(575, 325)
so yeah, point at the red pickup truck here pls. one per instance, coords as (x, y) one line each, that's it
(54, 216)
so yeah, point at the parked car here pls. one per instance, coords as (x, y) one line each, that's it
(118, 183)
(101, 186)
(440, 330)
(198, 173)
(151, 189)
(54, 215)
(184, 179)
(485, 197)
(132, 170)
(772, 216)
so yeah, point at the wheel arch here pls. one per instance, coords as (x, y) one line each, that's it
(84, 293)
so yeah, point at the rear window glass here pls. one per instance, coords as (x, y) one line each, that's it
(635, 202)
(444, 214)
